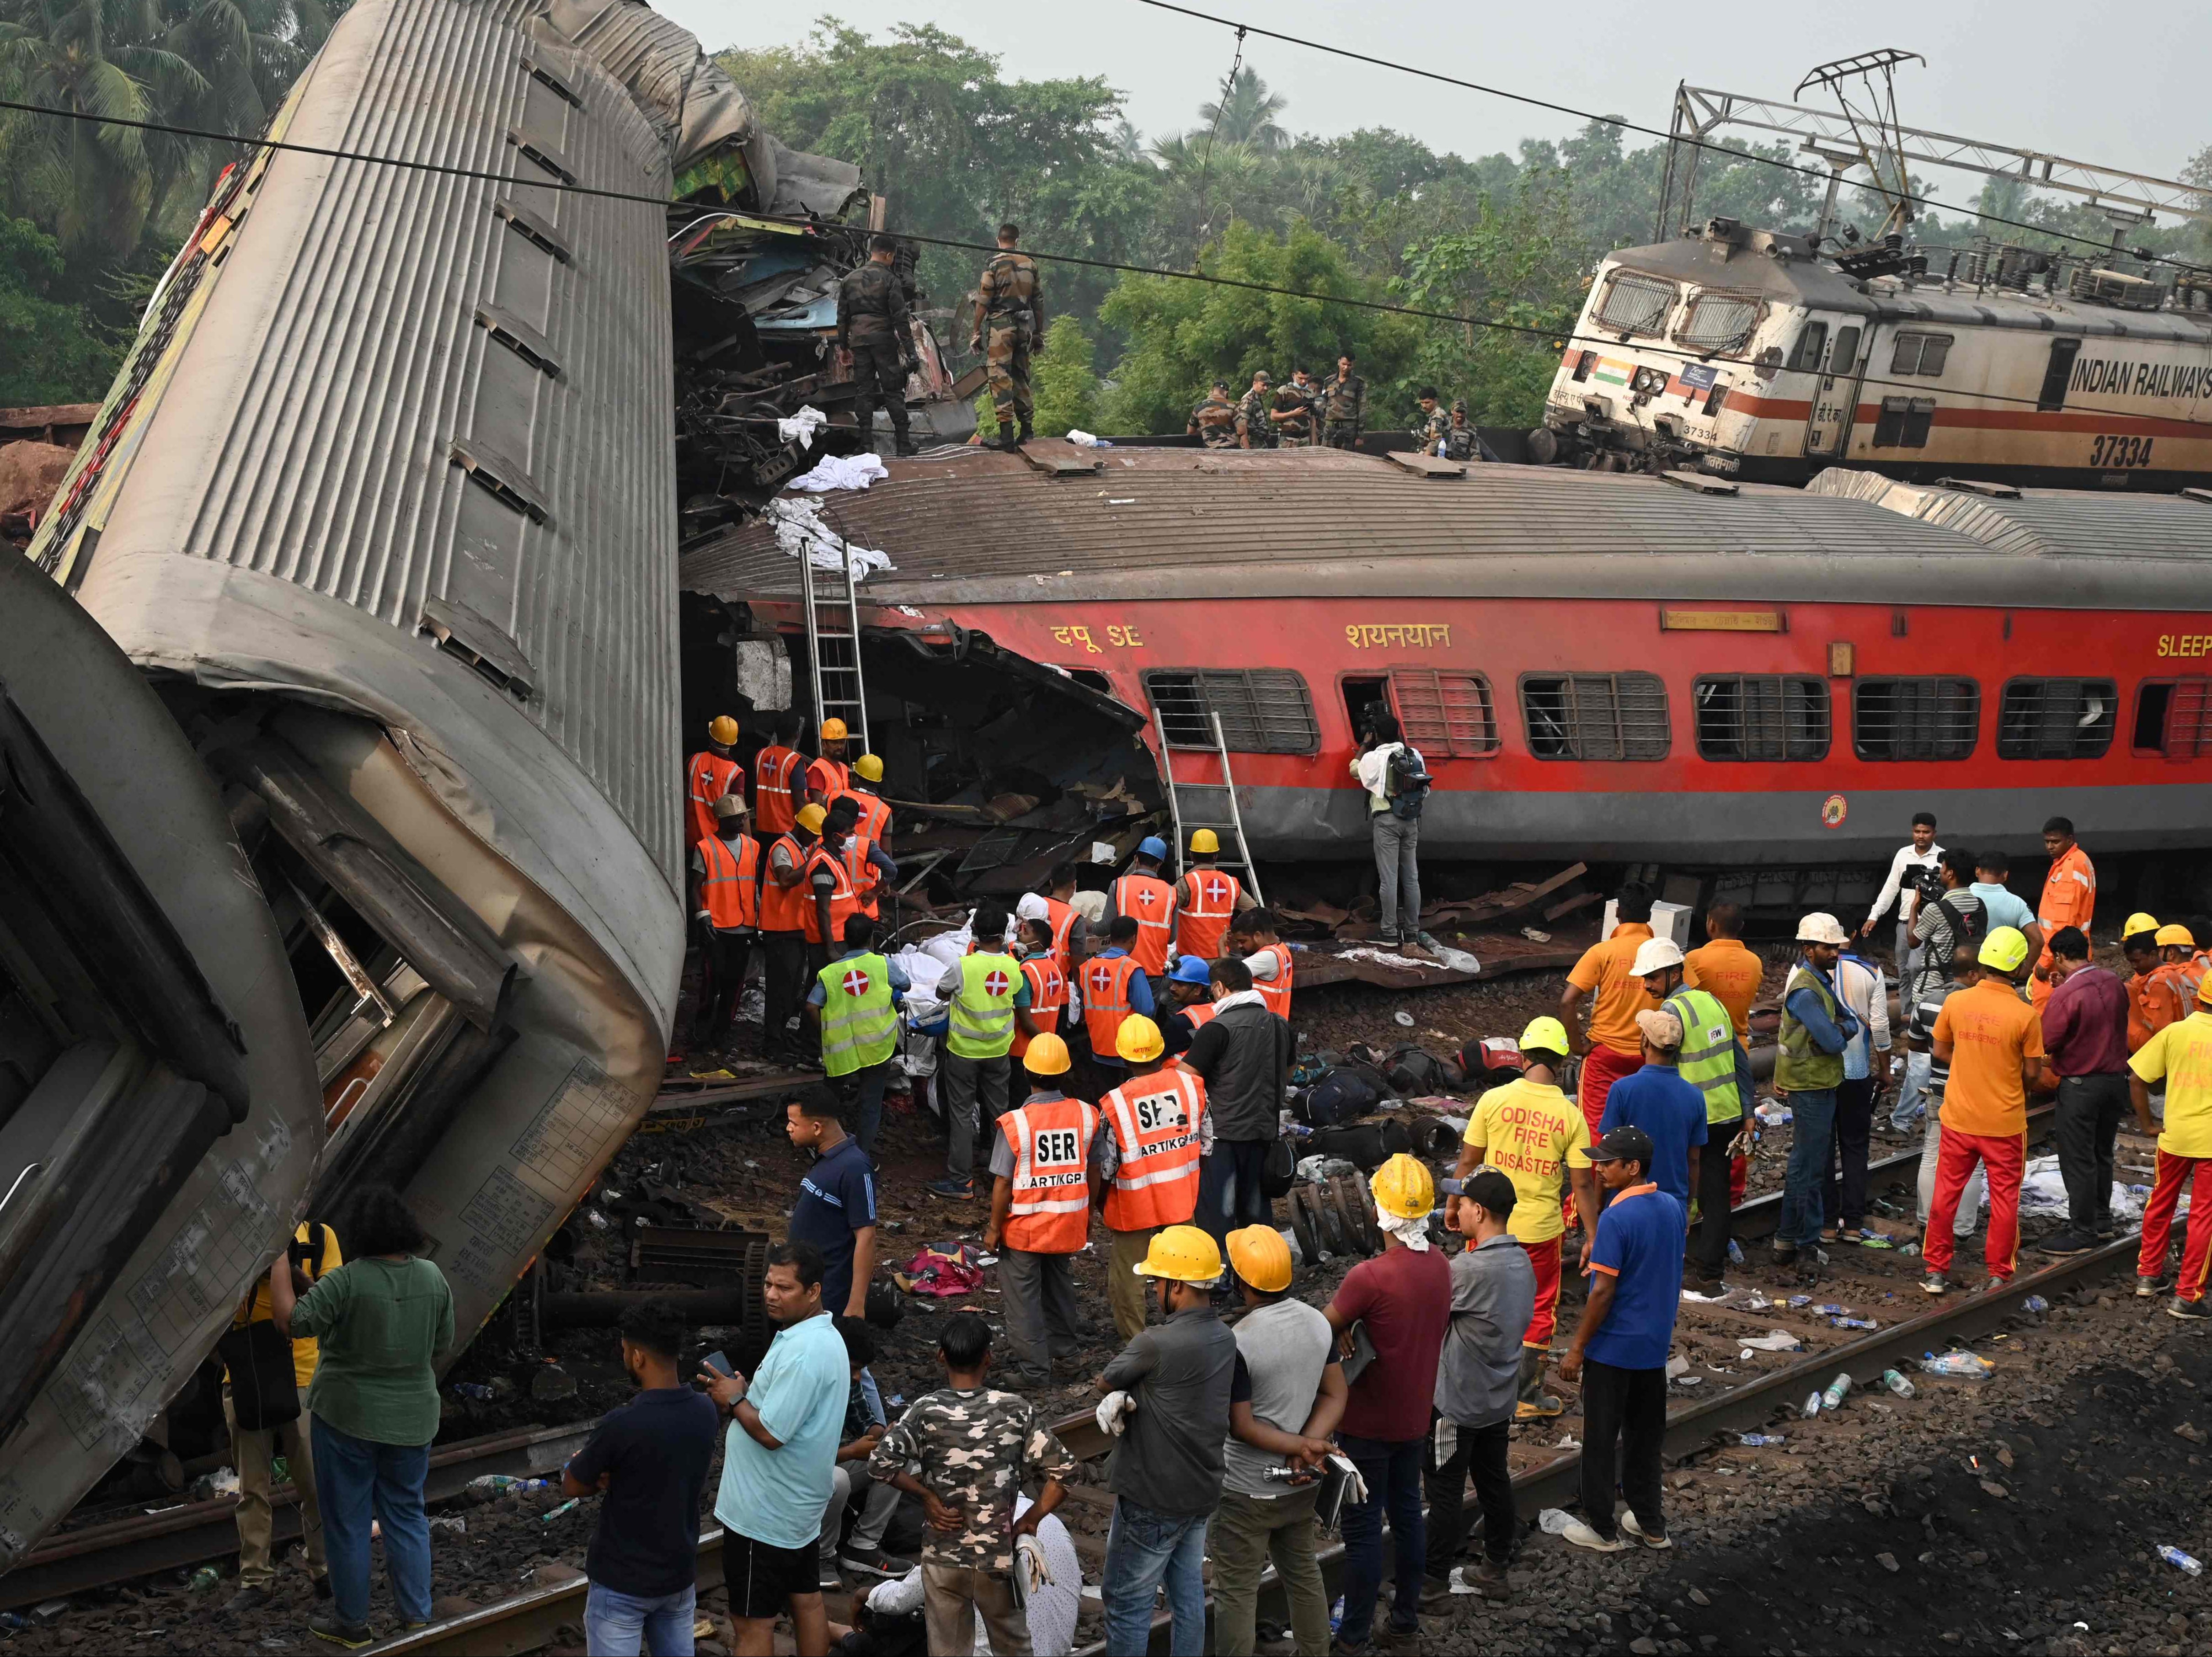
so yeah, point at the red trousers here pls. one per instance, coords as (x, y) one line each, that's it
(1601, 1068)
(2174, 1172)
(2002, 1157)
(1545, 1257)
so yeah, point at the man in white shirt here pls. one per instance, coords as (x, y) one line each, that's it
(1909, 870)
(1397, 836)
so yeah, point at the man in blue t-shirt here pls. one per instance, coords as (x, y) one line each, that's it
(1619, 1354)
(836, 1206)
(649, 1460)
(1657, 1100)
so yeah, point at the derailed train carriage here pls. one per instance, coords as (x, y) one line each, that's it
(383, 507)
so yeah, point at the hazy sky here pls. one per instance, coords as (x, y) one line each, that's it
(2031, 73)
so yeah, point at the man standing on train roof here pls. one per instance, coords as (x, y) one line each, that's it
(875, 340)
(1344, 406)
(710, 775)
(1912, 873)
(1293, 415)
(1206, 899)
(2069, 897)
(1010, 304)
(1213, 422)
(1151, 902)
(1460, 440)
(1254, 429)
(828, 776)
(1808, 1068)
(1429, 430)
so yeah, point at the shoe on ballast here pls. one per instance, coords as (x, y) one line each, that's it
(1628, 1523)
(352, 1635)
(827, 1579)
(1784, 1253)
(2067, 1240)
(1491, 1579)
(1580, 1535)
(1435, 1591)
(2149, 1287)
(2107, 1231)
(1934, 1283)
(876, 1560)
(2188, 1311)
(249, 1597)
(958, 1190)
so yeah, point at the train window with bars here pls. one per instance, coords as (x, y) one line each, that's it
(2056, 719)
(1904, 423)
(1761, 716)
(1920, 353)
(1719, 321)
(1636, 305)
(2173, 717)
(1812, 344)
(1444, 713)
(1915, 719)
(1263, 710)
(1595, 716)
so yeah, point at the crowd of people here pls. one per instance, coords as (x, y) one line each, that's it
(1305, 412)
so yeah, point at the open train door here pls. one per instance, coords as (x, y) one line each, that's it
(1835, 400)
(159, 1115)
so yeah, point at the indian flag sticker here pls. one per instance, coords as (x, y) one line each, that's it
(1612, 372)
(1833, 810)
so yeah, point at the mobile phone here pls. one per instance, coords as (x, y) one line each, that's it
(720, 1364)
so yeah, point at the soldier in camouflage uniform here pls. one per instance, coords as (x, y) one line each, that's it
(974, 1445)
(875, 338)
(1460, 441)
(1213, 422)
(1010, 304)
(1344, 406)
(1254, 429)
(1429, 428)
(1292, 416)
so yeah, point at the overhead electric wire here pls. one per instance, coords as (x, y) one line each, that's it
(1551, 337)
(1625, 124)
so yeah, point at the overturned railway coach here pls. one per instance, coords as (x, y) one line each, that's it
(1618, 667)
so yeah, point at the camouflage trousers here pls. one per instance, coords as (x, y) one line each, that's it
(880, 381)
(1006, 359)
(1340, 435)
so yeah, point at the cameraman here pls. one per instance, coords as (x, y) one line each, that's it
(1395, 794)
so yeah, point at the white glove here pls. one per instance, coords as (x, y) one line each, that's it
(1029, 1556)
(1355, 1487)
(1114, 1412)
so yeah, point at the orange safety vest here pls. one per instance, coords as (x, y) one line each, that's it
(1199, 1013)
(1276, 990)
(2171, 995)
(1106, 999)
(829, 778)
(2139, 1025)
(1050, 1213)
(730, 886)
(844, 896)
(708, 778)
(788, 908)
(1206, 899)
(875, 819)
(1154, 1123)
(1150, 901)
(866, 877)
(1048, 995)
(1063, 917)
(773, 810)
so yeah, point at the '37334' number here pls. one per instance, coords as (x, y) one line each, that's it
(2119, 451)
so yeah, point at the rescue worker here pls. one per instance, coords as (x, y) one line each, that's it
(1344, 406)
(2170, 996)
(1041, 1203)
(1190, 1003)
(787, 900)
(1048, 983)
(1992, 1039)
(2069, 897)
(1114, 987)
(1010, 304)
(1713, 1061)
(875, 340)
(1271, 962)
(869, 866)
(1808, 1068)
(1154, 1130)
(710, 774)
(828, 776)
(1460, 440)
(1532, 1133)
(725, 905)
(1213, 422)
(1429, 428)
(1206, 899)
(1291, 416)
(776, 770)
(1151, 901)
(1071, 943)
(1254, 429)
(2139, 942)
(1614, 1046)
(865, 784)
(853, 1006)
(988, 1006)
(2180, 1056)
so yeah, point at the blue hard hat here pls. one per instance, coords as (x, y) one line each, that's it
(1189, 969)
(1154, 847)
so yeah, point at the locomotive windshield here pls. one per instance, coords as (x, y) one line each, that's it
(1635, 304)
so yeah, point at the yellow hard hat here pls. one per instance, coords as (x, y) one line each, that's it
(833, 729)
(1183, 1253)
(810, 818)
(722, 729)
(1259, 1256)
(2175, 934)
(868, 768)
(1404, 1186)
(1545, 1034)
(1204, 842)
(1047, 1056)
(2137, 923)
(1139, 1039)
(2005, 947)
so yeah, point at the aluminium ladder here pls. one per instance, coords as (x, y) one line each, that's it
(833, 649)
(1225, 818)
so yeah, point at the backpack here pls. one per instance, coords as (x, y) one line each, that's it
(1967, 925)
(263, 1392)
(1407, 781)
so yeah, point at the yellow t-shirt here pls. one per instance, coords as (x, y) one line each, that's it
(1530, 1132)
(305, 1351)
(2182, 1053)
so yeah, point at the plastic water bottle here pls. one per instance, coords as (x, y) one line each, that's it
(500, 1483)
(1853, 1323)
(2175, 1557)
(1757, 1441)
(1837, 1390)
(1897, 1383)
(1968, 1364)
(1735, 1252)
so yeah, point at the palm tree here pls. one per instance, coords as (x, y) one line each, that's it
(1246, 113)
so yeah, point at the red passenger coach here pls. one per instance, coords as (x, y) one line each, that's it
(1621, 668)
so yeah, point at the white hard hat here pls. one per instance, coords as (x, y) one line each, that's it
(1031, 907)
(1655, 954)
(1818, 928)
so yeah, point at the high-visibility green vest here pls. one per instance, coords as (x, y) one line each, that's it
(1708, 1058)
(981, 1024)
(859, 1026)
(1799, 1066)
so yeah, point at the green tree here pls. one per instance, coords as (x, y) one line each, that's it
(49, 351)
(1064, 382)
(1245, 113)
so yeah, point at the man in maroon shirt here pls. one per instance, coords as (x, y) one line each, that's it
(1400, 1301)
(2085, 1035)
